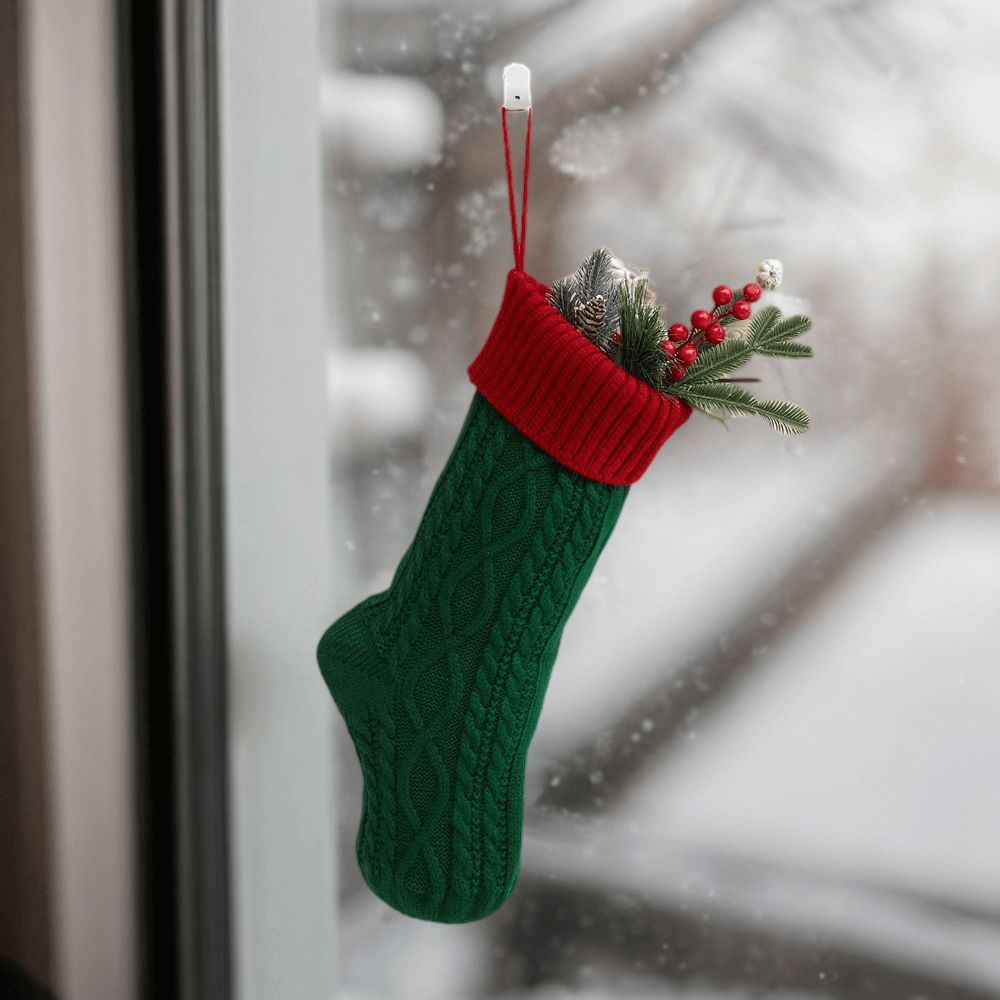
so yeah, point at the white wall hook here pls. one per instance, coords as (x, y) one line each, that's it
(516, 87)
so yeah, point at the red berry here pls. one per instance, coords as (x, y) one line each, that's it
(700, 319)
(668, 347)
(751, 292)
(678, 332)
(741, 310)
(677, 372)
(617, 336)
(722, 295)
(688, 354)
(715, 334)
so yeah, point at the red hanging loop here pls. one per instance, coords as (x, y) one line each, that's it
(518, 243)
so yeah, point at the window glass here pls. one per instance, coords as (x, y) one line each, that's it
(766, 763)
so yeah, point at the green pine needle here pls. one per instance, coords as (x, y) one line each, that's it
(718, 361)
(642, 331)
(563, 297)
(724, 397)
(760, 325)
(784, 349)
(776, 333)
(792, 326)
(784, 417)
(594, 275)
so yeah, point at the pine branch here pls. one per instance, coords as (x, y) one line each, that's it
(573, 295)
(594, 276)
(761, 324)
(563, 297)
(715, 362)
(784, 417)
(721, 396)
(784, 349)
(776, 333)
(640, 353)
(792, 326)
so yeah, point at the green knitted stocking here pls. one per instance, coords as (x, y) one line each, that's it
(441, 677)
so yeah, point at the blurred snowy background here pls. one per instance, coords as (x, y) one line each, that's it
(768, 761)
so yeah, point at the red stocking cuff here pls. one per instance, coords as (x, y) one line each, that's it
(543, 376)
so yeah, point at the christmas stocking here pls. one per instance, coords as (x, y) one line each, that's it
(441, 677)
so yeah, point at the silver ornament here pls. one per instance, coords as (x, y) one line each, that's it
(629, 276)
(769, 274)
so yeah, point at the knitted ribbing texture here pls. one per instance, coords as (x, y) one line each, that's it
(573, 401)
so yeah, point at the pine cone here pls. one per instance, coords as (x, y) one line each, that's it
(590, 317)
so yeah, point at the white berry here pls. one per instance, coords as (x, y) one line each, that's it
(769, 274)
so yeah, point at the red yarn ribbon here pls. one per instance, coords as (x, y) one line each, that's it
(518, 244)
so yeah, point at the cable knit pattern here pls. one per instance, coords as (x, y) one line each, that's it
(441, 677)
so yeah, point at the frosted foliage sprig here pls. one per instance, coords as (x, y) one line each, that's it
(613, 306)
(588, 298)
